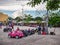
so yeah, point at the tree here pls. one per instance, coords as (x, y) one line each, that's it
(38, 18)
(54, 20)
(17, 19)
(51, 5)
(10, 18)
(28, 18)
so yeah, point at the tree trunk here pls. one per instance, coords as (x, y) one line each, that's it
(47, 23)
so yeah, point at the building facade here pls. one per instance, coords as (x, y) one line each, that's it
(3, 18)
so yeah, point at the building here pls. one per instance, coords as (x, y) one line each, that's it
(35, 23)
(3, 18)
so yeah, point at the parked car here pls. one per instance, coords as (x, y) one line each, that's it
(16, 34)
(7, 29)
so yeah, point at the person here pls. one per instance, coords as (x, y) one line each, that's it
(0, 25)
(17, 29)
(26, 32)
(39, 29)
(29, 30)
(12, 25)
(43, 31)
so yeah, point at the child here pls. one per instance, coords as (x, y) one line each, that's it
(43, 31)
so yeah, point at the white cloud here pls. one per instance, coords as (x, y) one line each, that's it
(13, 2)
(19, 7)
(11, 8)
(17, 13)
(14, 5)
(41, 6)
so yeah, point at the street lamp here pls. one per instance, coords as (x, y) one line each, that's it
(22, 10)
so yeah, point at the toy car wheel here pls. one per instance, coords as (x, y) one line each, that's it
(3, 30)
(17, 37)
(9, 36)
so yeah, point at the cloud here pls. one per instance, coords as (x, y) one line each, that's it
(17, 5)
(11, 8)
(14, 5)
(12, 2)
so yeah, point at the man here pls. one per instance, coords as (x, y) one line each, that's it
(39, 29)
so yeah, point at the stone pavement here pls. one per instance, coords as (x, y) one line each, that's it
(31, 40)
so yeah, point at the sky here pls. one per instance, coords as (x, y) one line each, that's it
(11, 6)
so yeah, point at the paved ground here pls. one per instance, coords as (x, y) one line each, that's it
(31, 40)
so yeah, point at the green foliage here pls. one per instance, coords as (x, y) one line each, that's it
(17, 19)
(38, 18)
(54, 20)
(28, 18)
(34, 2)
(38, 21)
(51, 4)
(10, 18)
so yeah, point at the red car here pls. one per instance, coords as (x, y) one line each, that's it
(16, 34)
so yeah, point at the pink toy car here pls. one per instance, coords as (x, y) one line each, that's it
(15, 34)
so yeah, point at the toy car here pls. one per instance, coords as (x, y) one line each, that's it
(32, 31)
(25, 32)
(43, 33)
(16, 34)
(28, 32)
(52, 33)
(7, 29)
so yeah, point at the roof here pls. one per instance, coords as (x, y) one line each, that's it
(43, 22)
(26, 22)
(31, 22)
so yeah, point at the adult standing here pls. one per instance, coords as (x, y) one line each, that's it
(39, 29)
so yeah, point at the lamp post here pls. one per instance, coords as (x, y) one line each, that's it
(22, 13)
(22, 9)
